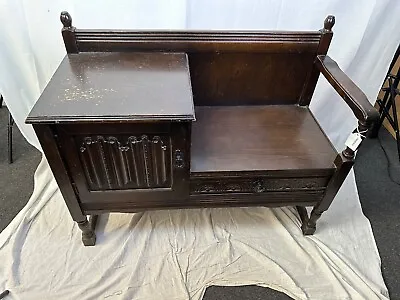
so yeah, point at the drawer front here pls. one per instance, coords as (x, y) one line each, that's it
(125, 163)
(256, 184)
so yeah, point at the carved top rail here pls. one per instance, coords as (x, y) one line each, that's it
(78, 40)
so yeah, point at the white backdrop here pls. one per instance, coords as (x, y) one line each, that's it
(365, 38)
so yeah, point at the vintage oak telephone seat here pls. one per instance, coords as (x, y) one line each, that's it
(142, 120)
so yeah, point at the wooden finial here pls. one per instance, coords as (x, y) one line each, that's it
(66, 19)
(68, 33)
(329, 22)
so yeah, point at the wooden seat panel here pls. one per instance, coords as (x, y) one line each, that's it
(258, 138)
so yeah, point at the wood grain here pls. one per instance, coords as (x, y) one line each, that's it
(348, 90)
(90, 87)
(47, 139)
(258, 138)
(248, 78)
(272, 199)
(192, 41)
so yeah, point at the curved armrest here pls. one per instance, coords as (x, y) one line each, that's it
(348, 90)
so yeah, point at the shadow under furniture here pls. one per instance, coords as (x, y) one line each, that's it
(135, 121)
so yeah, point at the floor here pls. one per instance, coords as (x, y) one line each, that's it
(378, 180)
(377, 169)
(16, 179)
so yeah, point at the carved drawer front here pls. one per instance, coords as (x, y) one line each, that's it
(125, 162)
(256, 185)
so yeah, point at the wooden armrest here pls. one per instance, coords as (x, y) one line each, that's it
(348, 90)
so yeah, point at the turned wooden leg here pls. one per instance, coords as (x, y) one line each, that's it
(343, 162)
(88, 230)
(310, 225)
(48, 141)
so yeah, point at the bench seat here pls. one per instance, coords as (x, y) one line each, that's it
(259, 139)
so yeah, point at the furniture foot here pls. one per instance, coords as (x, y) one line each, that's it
(5, 293)
(93, 221)
(309, 224)
(88, 230)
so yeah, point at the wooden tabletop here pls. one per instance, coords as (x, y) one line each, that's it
(93, 87)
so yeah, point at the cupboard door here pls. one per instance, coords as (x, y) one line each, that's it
(127, 162)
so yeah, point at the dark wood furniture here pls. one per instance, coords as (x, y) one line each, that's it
(140, 120)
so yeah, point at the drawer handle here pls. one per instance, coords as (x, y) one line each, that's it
(179, 159)
(259, 186)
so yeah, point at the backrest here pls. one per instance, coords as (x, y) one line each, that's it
(226, 68)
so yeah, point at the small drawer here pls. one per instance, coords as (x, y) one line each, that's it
(256, 184)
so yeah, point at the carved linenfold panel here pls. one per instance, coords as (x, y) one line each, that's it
(255, 185)
(125, 162)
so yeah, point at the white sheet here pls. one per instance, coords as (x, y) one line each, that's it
(41, 254)
(177, 254)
